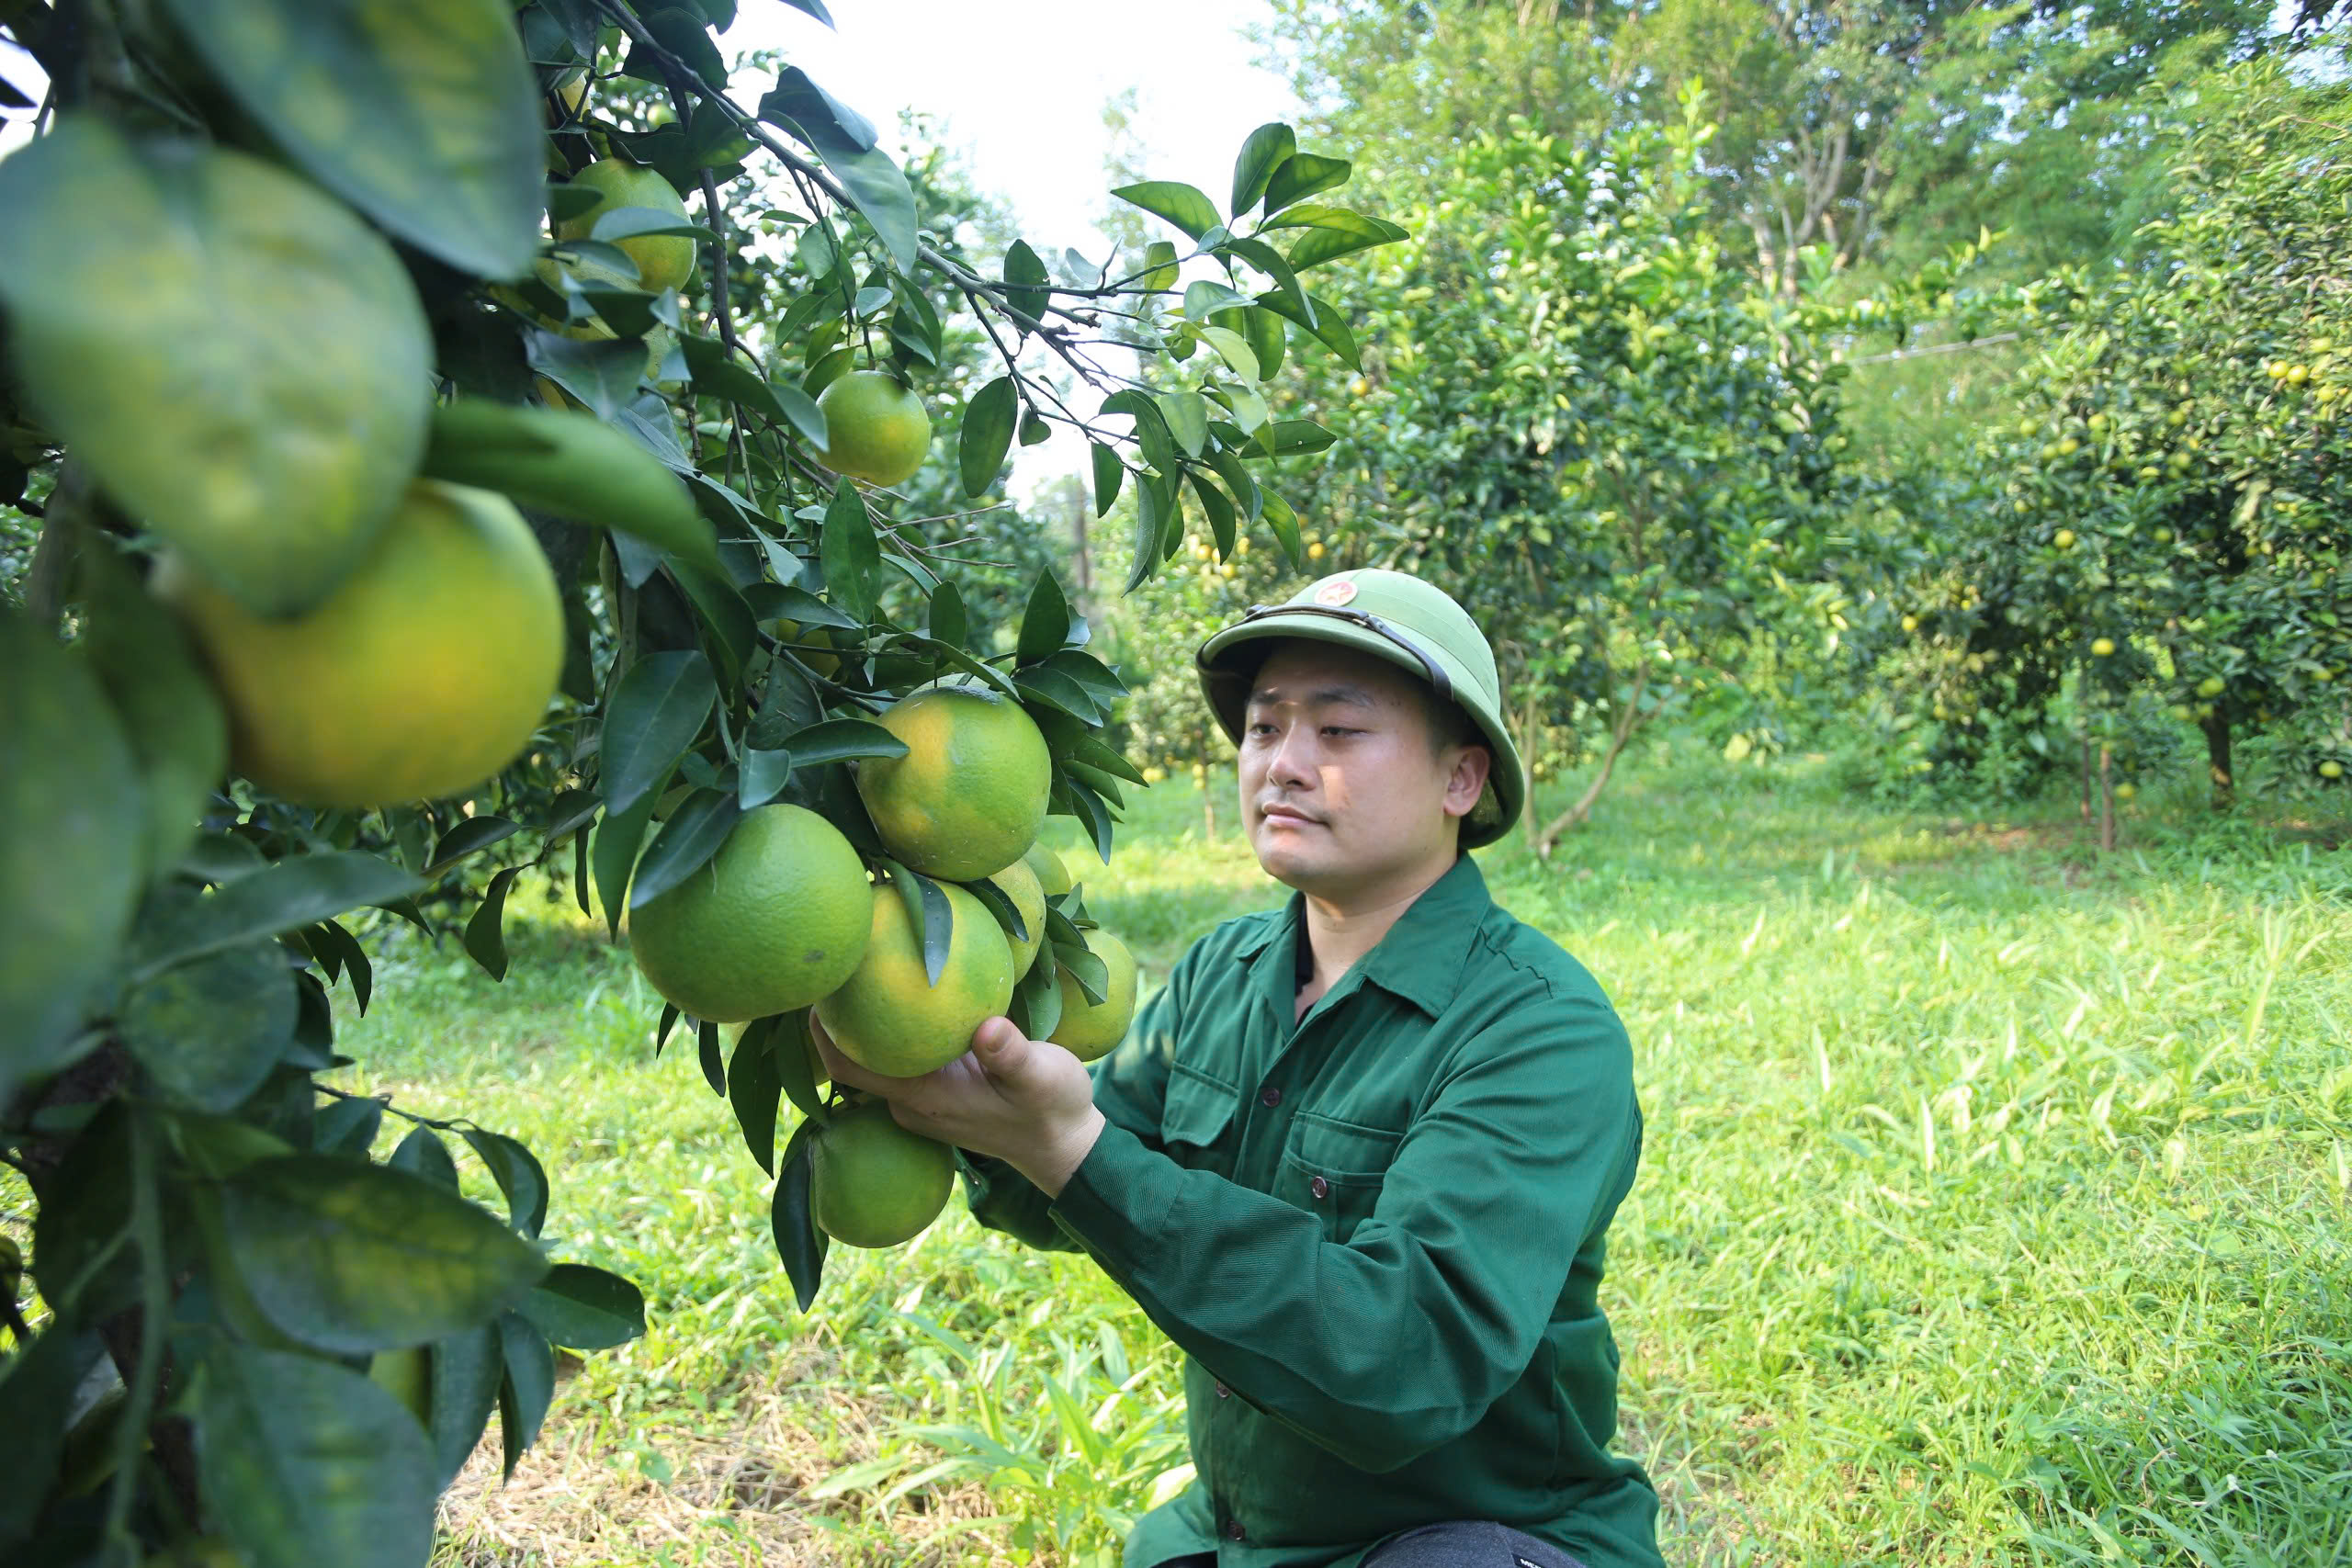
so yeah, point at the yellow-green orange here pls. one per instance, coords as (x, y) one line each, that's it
(873, 1183)
(664, 261)
(889, 1019)
(1089, 1030)
(1019, 883)
(967, 798)
(425, 671)
(875, 430)
(1052, 874)
(779, 917)
(407, 1375)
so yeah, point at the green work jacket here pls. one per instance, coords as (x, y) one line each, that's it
(1376, 1233)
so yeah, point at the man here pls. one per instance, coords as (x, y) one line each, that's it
(1359, 1157)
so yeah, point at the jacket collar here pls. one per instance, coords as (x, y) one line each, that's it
(1422, 957)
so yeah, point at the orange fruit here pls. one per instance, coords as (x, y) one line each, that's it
(970, 796)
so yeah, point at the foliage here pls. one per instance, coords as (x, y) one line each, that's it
(252, 1335)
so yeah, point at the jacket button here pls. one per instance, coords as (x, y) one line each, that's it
(1223, 1391)
(1233, 1530)
(1271, 1099)
(1320, 1188)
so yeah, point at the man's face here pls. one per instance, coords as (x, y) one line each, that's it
(1341, 789)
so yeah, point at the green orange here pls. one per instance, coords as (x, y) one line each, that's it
(1089, 1030)
(778, 917)
(1018, 883)
(873, 1183)
(888, 1016)
(876, 429)
(425, 671)
(664, 261)
(970, 796)
(1052, 874)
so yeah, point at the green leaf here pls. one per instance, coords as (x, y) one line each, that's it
(1230, 346)
(585, 1309)
(297, 320)
(1161, 266)
(614, 855)
(471, 835)
(1284, 523)
(465, 1370)
(306, 1462)
(37, 1384)
(1188, 420)
(293, 893)
(1268, 147)
(1295, 437)
(1321, 319)
(1045, 625)
(753, 1088)
(1006, 913)
(714, 1064)
(423, 1152)
(422, 114)
(850, 554)
(352, 1257)
(931, 913)
(798, 103)
(1206, 297)
(656, 710)
(1181, 204)
(987, 434)
(875, 186)
(1237, 482)
(1339, 234)
(802, 410)
(207, 1032)
(798, 1242)
(947, 620)
(1262, 330)
(843, 739)
(684, 33)
(1086, 968)
(1036, 1008)
(178, 730)
(516, 1171)
(796, 1062)
(1222, 522)
(1301, 176)
(765, 776)
(693, 833)
(525, 1390)
(73, 822)
(347, 1126)
(1027, 285)
(1270, 262)
(486, 932)
(1150, 521)
(1110, 472)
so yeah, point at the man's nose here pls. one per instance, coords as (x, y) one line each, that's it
(1292, 764)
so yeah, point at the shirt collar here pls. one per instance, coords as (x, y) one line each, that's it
(1422, 957)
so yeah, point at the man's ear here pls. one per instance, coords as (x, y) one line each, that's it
(1468, 779)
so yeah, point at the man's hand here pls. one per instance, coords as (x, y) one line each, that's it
(1027, 1103)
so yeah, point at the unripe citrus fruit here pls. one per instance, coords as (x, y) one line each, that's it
(807, 644)
(1053, 877)
(1089, 1030)
(967, 798)
(2064, 539)
(779, 917)
(875, 430)
(2102, 647)
(2211, 686)
(888, 1016)
(1019, 883)
(664, 261)
(2126, 790)
(2331, 769)
(425, 671)
(873, 1183)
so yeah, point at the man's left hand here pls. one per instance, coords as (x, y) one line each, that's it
(1027, 1103)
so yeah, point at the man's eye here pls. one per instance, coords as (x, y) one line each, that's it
(1340, 729)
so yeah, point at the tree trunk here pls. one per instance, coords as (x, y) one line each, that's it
(1629, 718)
(2086, 775)
(2105, 801)
(2216, 757)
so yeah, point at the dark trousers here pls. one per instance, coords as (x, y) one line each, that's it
(1462, 1543)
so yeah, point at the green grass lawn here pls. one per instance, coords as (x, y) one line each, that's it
(1994, 1209)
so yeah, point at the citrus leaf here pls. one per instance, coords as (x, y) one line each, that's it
(1145, 548)
(841, 740)
(1110, 472)
(1270, 262)
(1206, 297)
(998, 904)
(1026, 290)
(423, 1152)
(795, 1050)
(685, 34)
(1188, 420)
(987, 434)
(352, 1257)
(347, 1126)
(615, 855)
(1086, 968)
(305, 1461)
(35, 1397)
(798, 1242)
(1180, 204)
(655, 712)
(208, 1033)
(1264, 152)
(1045, 625)
(470, 836)
(753, 1088)
(1341, 234)
(585, 1309)
(520, 1179)
(798, 101)
(849, 552)
(693, 833)
(874, 185)
(290, 894)
(714, 1063)
(1036, 1008)
(1295, 437)
(525, 1390)
(928, 908)
(465, 1370)
(486, 931)
(423, 114)
(72, 822)
(947, 619)
(1301, 176)
(764, 774)
(135, 274)
(1322, 320)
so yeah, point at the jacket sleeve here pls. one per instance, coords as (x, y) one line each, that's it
(1130, 1085)
(1397, 1340)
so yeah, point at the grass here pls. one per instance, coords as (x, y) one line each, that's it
(1994, 1211)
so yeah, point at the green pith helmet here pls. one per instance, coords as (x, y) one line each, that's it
(1405, 621)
